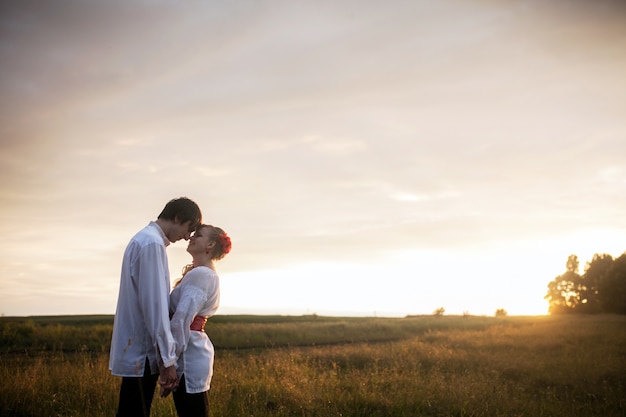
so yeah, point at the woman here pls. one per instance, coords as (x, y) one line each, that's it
(194, 299)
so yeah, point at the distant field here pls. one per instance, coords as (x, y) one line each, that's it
(331, 366)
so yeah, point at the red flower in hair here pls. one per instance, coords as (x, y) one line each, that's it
(224, 243)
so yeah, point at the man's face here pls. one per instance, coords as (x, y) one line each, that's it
(180, 231)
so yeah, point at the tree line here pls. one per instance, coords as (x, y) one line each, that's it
(600, 289)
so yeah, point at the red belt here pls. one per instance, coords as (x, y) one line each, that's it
(198, 323)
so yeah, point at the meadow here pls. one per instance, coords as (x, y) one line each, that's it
(276, 366)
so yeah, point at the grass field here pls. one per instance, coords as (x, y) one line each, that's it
(571, 366)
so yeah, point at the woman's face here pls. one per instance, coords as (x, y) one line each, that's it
(199, 241)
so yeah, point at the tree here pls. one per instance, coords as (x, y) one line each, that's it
(564, 291)
(501, 312)
(612, 288)
(595, 271)
(601, 289)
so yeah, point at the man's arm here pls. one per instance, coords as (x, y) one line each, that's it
(154, 298)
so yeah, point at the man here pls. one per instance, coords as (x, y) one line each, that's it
(142, 345)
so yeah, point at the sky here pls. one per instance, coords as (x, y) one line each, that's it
(367, 158)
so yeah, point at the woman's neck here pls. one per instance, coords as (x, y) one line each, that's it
(203, 261)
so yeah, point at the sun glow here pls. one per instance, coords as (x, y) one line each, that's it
(511, 275)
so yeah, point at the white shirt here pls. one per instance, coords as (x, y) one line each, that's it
(141, 328)
(198, 294)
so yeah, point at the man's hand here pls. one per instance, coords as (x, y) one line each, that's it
(168, 380)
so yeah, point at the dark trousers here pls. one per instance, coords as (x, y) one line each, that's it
(136, 394)
(190, 405)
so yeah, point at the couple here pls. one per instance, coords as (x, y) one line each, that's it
(158, 336)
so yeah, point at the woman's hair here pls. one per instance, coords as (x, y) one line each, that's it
(184, 209)
(221, 239)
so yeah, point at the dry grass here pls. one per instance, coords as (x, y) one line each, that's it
(563, 366)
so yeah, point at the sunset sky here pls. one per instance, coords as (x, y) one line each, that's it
(366, 157)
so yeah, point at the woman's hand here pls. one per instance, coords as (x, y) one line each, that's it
(164, 392)
(168, 380)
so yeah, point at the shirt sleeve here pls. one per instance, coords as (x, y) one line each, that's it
(153, 282)
(193, 296)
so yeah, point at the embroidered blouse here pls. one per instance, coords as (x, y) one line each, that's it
(198, 294)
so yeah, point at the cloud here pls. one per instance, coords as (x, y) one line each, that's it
(329, 132)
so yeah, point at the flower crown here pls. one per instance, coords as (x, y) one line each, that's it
(224, 242)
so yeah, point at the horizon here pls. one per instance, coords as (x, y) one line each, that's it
(287, 315)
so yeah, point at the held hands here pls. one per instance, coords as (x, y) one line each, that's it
(168, 380)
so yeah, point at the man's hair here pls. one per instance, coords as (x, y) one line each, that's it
(184, 209)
